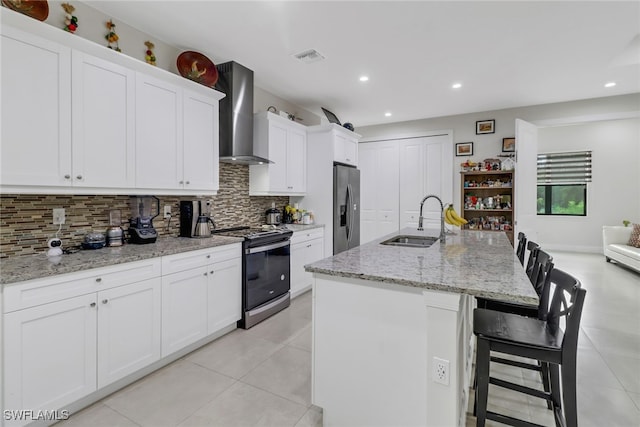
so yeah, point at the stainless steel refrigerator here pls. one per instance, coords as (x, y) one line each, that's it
(346, 208)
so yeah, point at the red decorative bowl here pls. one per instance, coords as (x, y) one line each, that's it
(197, 67)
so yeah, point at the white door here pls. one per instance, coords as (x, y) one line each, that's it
(224, 294)
(296, 161)
(36, 111)
(200, 116)
(426, 167)
(388, 189)
(158, 134)
(184, 309)
(526, 176)
(50, 354)
(103, 115)
(128, 329)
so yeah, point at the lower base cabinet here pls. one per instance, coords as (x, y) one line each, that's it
(68, 336)
(306, 247)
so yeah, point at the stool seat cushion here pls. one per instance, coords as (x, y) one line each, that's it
(515, 329)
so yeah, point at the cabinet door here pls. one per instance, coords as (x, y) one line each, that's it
(103, 123)
(200, 117)
(278, 155)
(297, 261)
(296, 161)
(224, 294)
(50, 354)
(128, 329)
(345, 150)
(158, 134)
(184, 309)
(36, 111)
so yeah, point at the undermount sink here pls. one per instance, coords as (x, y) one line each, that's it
(411, 241)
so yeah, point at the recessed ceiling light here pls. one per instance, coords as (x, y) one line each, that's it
(456, 85)
(610, 84)
(387, 114)
(364, 78)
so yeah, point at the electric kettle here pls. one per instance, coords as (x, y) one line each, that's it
(204, 226)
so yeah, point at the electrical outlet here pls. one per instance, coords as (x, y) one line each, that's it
(440, 371)
(58, 216)
(167, 211)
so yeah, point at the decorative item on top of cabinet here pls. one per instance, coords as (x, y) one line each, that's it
(70, 21)
(37, 9)
(149, 55)
(487, 200)
(111, 37)
(197, 67)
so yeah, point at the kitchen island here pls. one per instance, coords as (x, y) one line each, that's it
(392, 332)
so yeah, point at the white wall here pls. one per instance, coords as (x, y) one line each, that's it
(614, 194)
(490, 145)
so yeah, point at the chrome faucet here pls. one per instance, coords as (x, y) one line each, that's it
(442, 234)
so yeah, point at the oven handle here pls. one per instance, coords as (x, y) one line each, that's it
(267, 247)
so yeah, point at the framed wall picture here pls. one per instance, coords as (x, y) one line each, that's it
(485, 126)
(464, 149)
(508, 144)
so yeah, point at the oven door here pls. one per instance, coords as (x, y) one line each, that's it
(266, 273)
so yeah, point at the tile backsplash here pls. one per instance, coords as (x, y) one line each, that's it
(26, 221)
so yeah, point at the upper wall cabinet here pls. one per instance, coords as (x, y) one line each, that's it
(343, 142)
(284, 142)
(36, 110)
(80, 118)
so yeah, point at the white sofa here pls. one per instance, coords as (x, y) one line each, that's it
(615, 240)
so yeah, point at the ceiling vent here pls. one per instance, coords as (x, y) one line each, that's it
(309, 56)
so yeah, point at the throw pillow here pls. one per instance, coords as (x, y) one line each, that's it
(634, 240)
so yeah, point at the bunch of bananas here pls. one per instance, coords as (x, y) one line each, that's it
(451, 217)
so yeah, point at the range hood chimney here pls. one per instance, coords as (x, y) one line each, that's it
(236, 115)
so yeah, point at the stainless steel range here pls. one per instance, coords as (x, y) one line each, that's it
(265, 272)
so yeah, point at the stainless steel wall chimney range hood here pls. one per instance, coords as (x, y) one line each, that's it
(236, 115)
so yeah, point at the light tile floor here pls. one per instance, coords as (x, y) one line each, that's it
(263, 376)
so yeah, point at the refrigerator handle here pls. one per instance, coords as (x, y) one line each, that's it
(349, 213)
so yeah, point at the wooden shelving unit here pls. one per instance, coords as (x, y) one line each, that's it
(488, 200)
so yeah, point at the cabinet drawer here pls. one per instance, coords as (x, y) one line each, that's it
(201, 257)
(303, 236)
(42, 291)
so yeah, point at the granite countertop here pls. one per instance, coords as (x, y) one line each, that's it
(303, 227)
(479, 263)
(18, 269)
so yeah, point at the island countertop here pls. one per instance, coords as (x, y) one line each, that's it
(478, 263)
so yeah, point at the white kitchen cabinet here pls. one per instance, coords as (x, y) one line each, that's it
(128, 329)
(36, 110)
(78, 117)
(200, 139)
(426, 167)
(103, 123)
(50, 354)
(379, 189)
(306, 247)
(224, 293)
(201, 294)
(345, 146)
(283, 142)
(184, 308)
(67, 335)
(158, 134)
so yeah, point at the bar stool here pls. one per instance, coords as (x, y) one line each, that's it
(522, 245)
(538, 339)
(533, 249)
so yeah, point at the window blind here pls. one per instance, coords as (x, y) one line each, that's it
(564, 168)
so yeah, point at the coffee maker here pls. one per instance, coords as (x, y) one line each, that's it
(195, 219)
(143, 212)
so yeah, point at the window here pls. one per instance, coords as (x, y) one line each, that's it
(562, 183)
